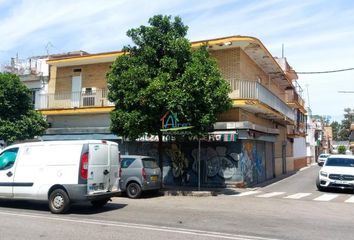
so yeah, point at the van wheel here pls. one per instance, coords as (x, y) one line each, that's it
(99, 203)
(59, 201)
(133, 190)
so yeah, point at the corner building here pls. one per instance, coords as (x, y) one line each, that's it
(251, 143)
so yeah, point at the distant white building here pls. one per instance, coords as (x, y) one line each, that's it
(33, 72)
(310, 139)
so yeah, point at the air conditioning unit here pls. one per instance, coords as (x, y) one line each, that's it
(88, 96)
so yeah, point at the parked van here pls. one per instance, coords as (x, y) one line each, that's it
(60, 172)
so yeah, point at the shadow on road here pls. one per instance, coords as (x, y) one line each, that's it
(146, 194)
(82, 208)
(337, 190)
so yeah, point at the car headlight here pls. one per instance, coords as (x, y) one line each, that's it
(324, 174)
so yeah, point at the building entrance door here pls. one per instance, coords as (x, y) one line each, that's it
(75, 91)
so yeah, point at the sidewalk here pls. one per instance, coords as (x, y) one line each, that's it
(206, 192)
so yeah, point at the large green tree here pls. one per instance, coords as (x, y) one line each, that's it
(160, 73)
(344, 131)
(335, 129)
(18, 120)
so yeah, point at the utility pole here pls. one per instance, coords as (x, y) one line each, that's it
(308, 96)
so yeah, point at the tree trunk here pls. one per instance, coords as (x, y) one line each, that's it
(160, 155)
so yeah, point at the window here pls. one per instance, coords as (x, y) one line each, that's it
(340, 162)
(126, 162)
(33, 96)
(7, 158)
(149, 163)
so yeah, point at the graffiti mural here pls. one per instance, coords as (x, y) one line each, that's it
(217, 161)
(246, 162)
(220, 162)
(179, 163)
(252, 160)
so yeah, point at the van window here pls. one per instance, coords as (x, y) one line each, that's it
(149, 163)
(7, 158)
(126, 162)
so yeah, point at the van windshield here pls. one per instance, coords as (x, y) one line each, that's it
(149, 163)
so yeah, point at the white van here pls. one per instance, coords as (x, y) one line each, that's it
(61, 172)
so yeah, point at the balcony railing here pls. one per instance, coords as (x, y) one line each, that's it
(83, 99)
(292, 97)
(254, 90)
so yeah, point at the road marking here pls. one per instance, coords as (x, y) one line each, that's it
(272, 194)
(350, 200)
(196, 232)
(326, 197)
(246, 193)
(298, 195)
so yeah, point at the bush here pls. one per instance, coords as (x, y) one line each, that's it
(341, 149)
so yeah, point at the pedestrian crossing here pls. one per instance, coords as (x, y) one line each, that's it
(298, 195)
(326, 197)
(318, 196)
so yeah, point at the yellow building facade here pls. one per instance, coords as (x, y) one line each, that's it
(267, 115)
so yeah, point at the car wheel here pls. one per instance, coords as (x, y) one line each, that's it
(59, 201)
(319, 187)
(133, 190)
(99, 203)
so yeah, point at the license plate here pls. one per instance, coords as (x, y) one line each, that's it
(342, 182)
(153, 178)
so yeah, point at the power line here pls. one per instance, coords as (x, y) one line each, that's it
(345, 91)
(330, 71)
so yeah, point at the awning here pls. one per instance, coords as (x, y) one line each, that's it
(92, 136)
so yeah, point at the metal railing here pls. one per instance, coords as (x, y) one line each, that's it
(88, 98)
(291, 96)
(253, 90)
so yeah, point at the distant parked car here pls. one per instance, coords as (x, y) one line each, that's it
(138, 174)
(322, 158)
(337, 172)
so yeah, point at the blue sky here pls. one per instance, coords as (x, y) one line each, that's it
(318, 35)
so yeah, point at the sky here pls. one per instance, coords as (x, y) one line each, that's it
(318, 35)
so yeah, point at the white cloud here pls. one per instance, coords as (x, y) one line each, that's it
(317, 34)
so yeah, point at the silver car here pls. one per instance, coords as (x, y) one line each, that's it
(138, 174)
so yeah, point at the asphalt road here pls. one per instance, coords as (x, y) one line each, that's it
(301, 181)
(167, 217)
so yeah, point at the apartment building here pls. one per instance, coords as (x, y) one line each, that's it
(34, 73)
(251, 143)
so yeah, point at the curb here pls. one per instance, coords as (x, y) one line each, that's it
(188, 193)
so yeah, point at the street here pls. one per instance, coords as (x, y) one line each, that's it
(289, 209)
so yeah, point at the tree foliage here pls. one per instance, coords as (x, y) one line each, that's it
(160, 73)
(18, 120)
(341, 149)
(335, 128)
(344, 131)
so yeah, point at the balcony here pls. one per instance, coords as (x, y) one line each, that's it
(293, 99)
(88, 98)
(256, 98)
(295, 132)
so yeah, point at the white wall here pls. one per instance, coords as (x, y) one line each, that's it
(299, 147)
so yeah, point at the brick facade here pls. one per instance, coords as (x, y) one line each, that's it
(92, 75)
